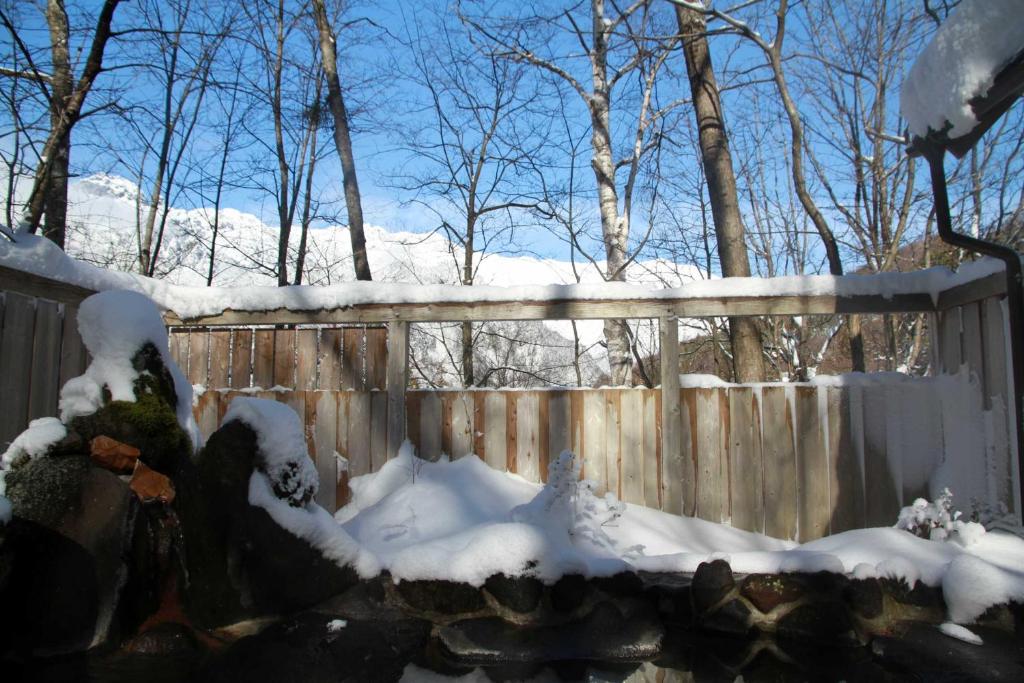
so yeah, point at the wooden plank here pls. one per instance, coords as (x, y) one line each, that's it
(577, 417)
(595, 444)
(378, 429)
(207, 413)
(671, 474)
(241, 359)
(177, 344)
(331, 351)
(970, 323)
(284, 358)
(921, 437)
(528, 435)
(577, 309)
(710, 504)
(15, 364)
(559, 423)
(322, 413)
(688, 458)
(397, 382)
(881, 498)
(430, 426)
(479, 423)
(263, 359)
(29, 284)
(352, 362)
(815, 509)
(778, 453)
(949, 341)
(543, 435)
(73, 354)
(511, 430)
(462, 424)
(994, 333)
(220, 359)
(992, 285)
(651, 460)
(306, 360)
(198, 356)
(746, 467)
(45, 361)
(846, 480)
(631, 446)
(376, 357)
(446, 421)
(344, 473)
(358, 433)
(494, 430)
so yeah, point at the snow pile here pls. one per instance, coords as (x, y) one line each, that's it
(463, 521)
(960, 633)
(938, 521)
(285, 481)
(114, 325)
(976, 42)
(284, 458)
(33, 442)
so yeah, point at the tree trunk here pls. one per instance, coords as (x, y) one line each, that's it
(343, 142)
(56, 205)
(717, 161)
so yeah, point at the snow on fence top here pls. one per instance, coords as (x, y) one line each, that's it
(977, 41)
(202, 305)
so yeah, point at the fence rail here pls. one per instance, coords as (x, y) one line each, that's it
(795, 461)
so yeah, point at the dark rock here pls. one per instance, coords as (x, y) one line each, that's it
(441, 597)
(865, 598)
(822, 622)
(623, 584)
(167, 640)
(768, 591)
(605, 634)
(732, 618)
(65, 549)
(918, 595)
(569, 593)
(825, 583)
(711, 583)
(303, 649)
(518, 593)
(241, 564)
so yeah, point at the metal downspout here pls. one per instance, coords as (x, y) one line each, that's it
(1014, 294)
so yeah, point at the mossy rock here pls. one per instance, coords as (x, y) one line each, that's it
(44, 490)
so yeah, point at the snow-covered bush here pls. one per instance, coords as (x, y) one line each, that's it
(938, 521)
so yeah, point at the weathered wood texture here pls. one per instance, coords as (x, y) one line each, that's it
(40, 349)
(307, 358)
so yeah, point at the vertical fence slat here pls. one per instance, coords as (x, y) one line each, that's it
(613, 440)
(779, 456)
(430, 426)
(745, 481)
(397, 382)
(650, 460)
(73, 355)
(996, 397)
(631, 447)
(358, 432)
(949, 340)
(331, 349)
(378, 429)
(846, 480)
(198, 355)
(462, 424)
(177, 344)
(528, 435)
(284, 358)
(15, 364)
(494, 430)
(812, 467)
(881, 500)
(352, 360)
(559, 424)
(341, 490)
(220, 357)
(45, 361)
(672, 467)
(970, 323)
(263, 359)
(376, 357)
(595, 450)
(241, 359)
(511, 430)
(446, 422)
(305, 364)
(322, 414)
(709, 455)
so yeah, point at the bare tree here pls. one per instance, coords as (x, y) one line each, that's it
(342, 140)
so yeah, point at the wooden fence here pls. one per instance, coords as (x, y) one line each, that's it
(796, 461)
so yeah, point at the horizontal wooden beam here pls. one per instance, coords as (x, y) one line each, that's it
(989, 286)
(696, 307)
(30, 284)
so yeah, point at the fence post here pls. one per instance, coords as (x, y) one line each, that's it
(671, 435)
(397, 381)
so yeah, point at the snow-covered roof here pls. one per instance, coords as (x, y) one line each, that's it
(961, 63)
